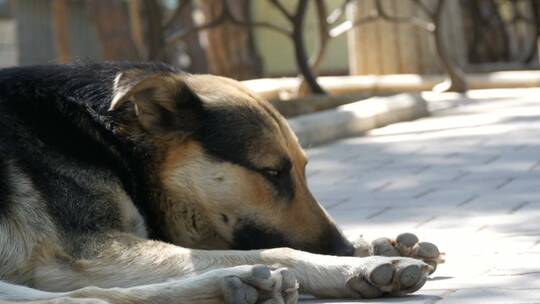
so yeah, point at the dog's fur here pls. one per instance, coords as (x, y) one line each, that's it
(103, 167)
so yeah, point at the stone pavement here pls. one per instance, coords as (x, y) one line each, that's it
(467, 179)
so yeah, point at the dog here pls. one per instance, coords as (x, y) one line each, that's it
(138, 183)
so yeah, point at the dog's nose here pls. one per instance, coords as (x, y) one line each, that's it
(343, 248)
(337, 244)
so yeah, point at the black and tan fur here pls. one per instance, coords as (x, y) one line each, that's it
(103, 167)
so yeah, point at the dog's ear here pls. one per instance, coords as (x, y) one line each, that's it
(164, 104)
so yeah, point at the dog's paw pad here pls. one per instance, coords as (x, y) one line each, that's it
(407, 240)
(382, 274)
(409, 276)
(236, 291)
(384, 247)
(261, 285)
(393, 276)
(408, 245)
(425, 250)
(364, 289)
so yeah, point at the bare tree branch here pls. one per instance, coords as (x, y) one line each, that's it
(262, 24)
(178, 36)
(300, 11)
(302, 60)
(225, 15)
(379, 13)
(182, 5)
(277, 4)
(307, 66)
(324, 37)
(457, 82)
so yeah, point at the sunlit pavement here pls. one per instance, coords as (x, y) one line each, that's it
(466, 179)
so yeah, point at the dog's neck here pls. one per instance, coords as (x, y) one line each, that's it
(178, 220)
(184, 223)
(193, 229)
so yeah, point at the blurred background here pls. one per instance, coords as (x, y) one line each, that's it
(467, 177)
(282, 46)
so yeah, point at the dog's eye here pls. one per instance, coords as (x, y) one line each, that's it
(272, 172)
(280, 178)
(277, 173)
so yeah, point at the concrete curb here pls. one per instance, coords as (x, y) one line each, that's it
(357, 118)
(274, 88)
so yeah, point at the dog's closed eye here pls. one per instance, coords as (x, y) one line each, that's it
(272, 172)
(278, 172)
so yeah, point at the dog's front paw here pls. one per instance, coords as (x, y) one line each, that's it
(259, 284)
(391, 276)
(405, 245)
(408, 245)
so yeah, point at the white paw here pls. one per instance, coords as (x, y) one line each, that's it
(258, 284)
(408, 245)
(387, 275)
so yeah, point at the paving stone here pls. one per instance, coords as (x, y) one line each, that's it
(466, 179)
(427, 297)
(492, 295)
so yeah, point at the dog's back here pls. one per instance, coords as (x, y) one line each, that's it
(60, 174)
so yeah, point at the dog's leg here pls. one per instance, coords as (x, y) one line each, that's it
(13, 294)
(247, 284)
(404, 245)
(128, 261)
(350, 277)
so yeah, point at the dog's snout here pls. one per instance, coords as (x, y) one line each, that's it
(342, 247)
(335, 243)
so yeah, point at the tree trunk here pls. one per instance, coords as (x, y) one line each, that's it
(230, 49)
(112, 23)
(190, 46)
(154, 30)
(485, 32)
(136, 27)
(456, 81)
(59, 14)
(384, 47)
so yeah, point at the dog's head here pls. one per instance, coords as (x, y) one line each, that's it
(231, 169)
